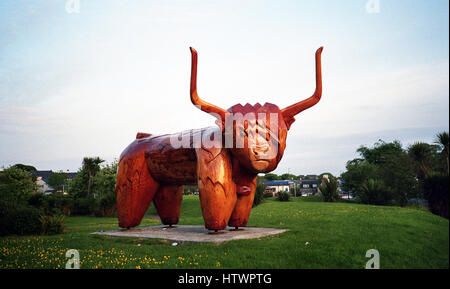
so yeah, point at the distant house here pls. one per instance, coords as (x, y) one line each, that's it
(278, 186)
(42, 181)
(309, 184)
(306, 185)
(309, 187)
(42, 178)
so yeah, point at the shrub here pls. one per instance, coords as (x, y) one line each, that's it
(374, 192)
(283, 196)
(52, 225)
(267, 195)
(329, 190)
(53, 204)
(83, 206)
(259, 195)
(37, 200)
(20, 220)
(436, 193)
(105, 205)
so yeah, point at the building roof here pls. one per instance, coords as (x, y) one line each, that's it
(46, 174)
(312, 176)
(279, 183)
(311, 181)
(72, 175)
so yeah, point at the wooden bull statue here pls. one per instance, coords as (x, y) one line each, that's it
(223, 160)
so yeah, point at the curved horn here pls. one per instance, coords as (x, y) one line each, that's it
(290, 111)
(196, 100)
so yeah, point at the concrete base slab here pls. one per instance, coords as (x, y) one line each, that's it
(182, 233)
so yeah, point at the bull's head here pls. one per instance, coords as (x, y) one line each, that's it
(258, 133)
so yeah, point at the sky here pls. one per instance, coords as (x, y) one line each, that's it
(80, 77)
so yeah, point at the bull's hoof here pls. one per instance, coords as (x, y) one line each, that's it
(215, 232)
(237, 229)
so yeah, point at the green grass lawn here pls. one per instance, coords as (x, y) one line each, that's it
(320, 235)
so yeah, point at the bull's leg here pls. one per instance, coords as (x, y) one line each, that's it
(135, 187)
(168, 203)
(216, 188)
(241, 212)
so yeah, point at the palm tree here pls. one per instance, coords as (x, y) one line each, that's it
(442, 141)
(421, 153)
(329, 190)
(374, 192)
(92, 166)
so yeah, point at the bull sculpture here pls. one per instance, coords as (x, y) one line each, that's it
(155, 168)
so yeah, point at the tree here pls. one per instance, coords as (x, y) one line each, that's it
(386, 162)
(422, 155)
(358, 171)
(443, 141)
(57, 180)
(396, 170)
(27, 168)
(91, 166)
(105, 180)
(288, 177)
(16, 185)
(271, 177)
(329, 190)
(79, 184)
(380, 152)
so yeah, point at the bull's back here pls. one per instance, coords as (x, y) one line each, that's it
(171, 165)
(166, 163)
